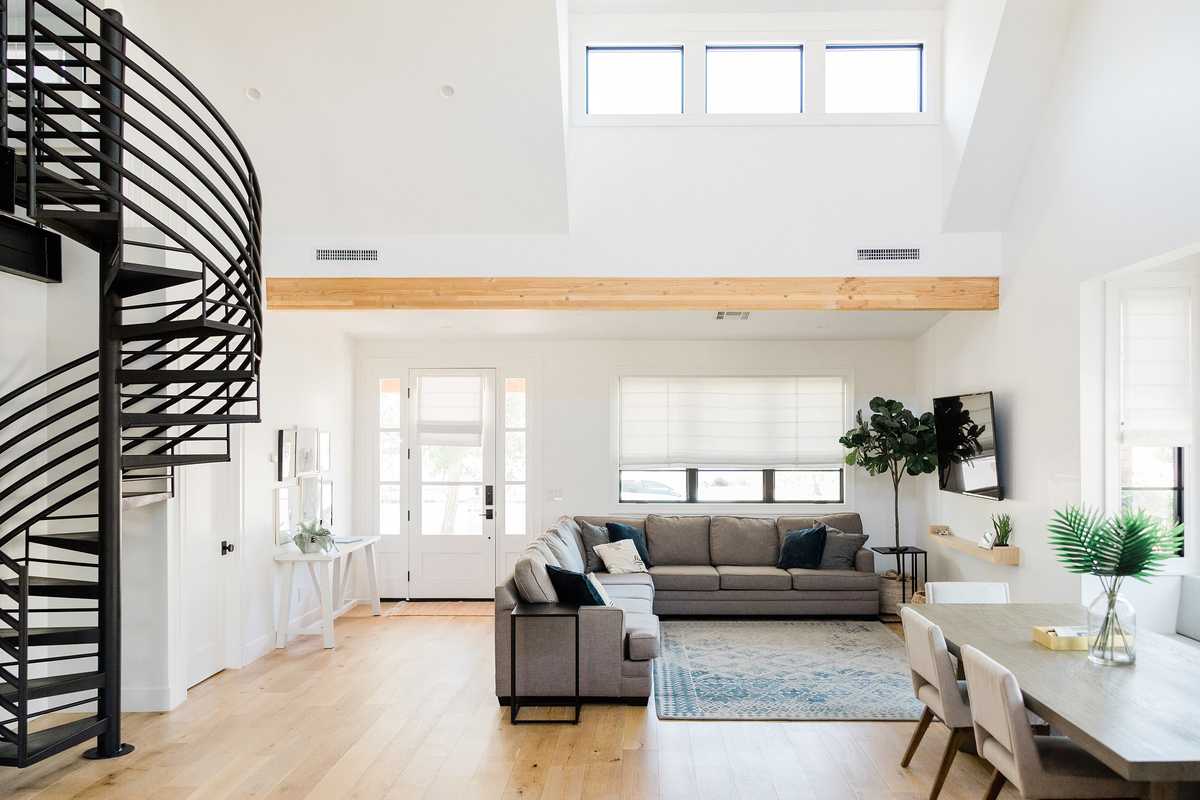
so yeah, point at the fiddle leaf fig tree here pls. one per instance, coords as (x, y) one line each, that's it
(893, 441)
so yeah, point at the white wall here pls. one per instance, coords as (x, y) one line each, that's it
(1113, 178)
(307, 381)
(573, 404)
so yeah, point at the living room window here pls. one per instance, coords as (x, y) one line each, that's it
(731, 439)
(874, 78)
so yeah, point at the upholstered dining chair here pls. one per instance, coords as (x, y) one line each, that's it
(966, 592)
(1042, 767)
(935, 685)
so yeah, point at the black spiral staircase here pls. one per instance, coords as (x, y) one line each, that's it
(110, 145)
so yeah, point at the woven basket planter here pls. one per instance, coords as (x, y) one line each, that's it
(890, 591)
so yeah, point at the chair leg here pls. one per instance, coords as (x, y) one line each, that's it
(922, 726)
(957, 736)
(995, 787)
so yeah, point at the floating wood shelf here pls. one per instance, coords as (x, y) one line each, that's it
(1007, 556)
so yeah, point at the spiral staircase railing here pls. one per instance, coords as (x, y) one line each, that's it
(114, 147)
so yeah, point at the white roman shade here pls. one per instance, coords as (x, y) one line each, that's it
(731, 422)
(1156, 366)
(450, 410)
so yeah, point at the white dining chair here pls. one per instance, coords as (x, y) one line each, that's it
(935, 685)
(1039, 767)
(966, 592)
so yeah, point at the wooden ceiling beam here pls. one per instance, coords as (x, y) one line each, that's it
(932, 293)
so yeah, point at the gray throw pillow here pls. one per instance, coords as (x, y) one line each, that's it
(840, 548)
(593, 535)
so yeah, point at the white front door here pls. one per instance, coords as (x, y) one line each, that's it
(204, 502)
(452, 483)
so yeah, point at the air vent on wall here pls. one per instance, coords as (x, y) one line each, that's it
(346, 254)
(889, 254)
(733, 315)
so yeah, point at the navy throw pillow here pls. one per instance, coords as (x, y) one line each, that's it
(802, 549)
(618, 531)
(573, 588)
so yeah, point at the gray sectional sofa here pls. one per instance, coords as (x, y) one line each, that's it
(702, 566)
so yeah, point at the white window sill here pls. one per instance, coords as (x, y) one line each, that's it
(752, 120)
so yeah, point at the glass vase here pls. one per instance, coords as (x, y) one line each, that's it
(1112, 627)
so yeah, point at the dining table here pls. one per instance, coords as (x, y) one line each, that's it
(1141, 720)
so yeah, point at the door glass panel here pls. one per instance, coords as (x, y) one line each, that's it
(514, 402)
(451, 510)
(391, 511)
(514, 509)
(391, 455)
(442, 463)
(391, 403)
(514, 456)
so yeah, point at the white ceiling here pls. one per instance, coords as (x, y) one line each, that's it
(658, 325)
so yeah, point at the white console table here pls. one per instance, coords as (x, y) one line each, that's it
(329, 573)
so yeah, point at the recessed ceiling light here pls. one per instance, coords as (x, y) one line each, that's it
(447, 90)
(253, 94)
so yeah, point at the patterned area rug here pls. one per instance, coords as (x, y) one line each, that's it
(801, 670)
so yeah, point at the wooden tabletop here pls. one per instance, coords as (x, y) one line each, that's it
(292, 553)
(1143, 721)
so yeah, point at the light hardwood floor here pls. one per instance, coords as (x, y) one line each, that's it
(403, 709)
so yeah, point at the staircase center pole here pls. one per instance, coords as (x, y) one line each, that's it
(109, 744)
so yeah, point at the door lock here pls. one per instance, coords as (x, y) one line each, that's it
(487, 514)
(226, 548)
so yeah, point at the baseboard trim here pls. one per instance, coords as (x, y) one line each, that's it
(568, 700)
(262, 645)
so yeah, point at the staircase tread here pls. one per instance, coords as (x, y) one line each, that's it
(49, 741)
(167, 460)
(183, 329)
(184, 375)
(46, 687)
(9, 633)
(42, 580)
(134, 419)
(79, 536)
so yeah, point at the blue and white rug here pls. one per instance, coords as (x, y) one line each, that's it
(786, 670)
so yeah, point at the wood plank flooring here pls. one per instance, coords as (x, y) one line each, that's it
(403, 709)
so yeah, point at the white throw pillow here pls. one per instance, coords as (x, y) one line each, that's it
(599, 587)
(620, 557)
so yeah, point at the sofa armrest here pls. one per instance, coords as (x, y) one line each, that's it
(545, 651)
(864, 560)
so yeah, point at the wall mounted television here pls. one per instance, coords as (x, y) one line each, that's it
(968, 461)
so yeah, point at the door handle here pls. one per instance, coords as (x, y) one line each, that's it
(488, 514)
(489, 495)
(226, 548)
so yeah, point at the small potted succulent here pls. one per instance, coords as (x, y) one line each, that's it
(314, 537)
(1002, 525)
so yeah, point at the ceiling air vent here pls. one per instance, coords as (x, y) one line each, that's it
(346, 254)
(743, 315)
(889, 254)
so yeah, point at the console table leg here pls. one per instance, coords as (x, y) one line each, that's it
(285, 607)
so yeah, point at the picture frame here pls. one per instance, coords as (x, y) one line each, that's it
(287, 512)
(324, 451)
(285, 455)
(306, 451)
(310, 499)
(327, 502)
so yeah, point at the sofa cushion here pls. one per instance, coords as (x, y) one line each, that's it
(620, 532)
(759, 578)
(565, 547)
(744, 541)
(833, 579)
(633, 522)
(591, 535)
(677, 540)
(1188, 621)
(626, 590)
(532, 580)
(641, 634)
(633, 605)
(574, 588)
(848, 522)
(632, 578)
(841, 548)
(803, 548)
(621, 557)
(701, 578)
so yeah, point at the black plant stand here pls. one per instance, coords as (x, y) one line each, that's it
(912, 552)
(539, 610)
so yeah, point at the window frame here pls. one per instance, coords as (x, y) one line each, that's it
(1180, 489)
(692, 482)
(634, 48)
(921, 71)
(798, 46)
(750, 30)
